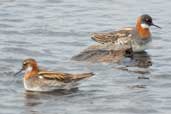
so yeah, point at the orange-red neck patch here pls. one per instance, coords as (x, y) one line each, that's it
(32, 73)
(143, 32)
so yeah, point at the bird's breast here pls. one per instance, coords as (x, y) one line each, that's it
(140, 46)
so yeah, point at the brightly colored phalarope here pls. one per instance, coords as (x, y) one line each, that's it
(137, 38)
(39, 80)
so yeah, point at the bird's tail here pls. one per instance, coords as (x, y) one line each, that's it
(78, 77)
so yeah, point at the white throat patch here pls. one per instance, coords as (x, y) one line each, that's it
(145, 25)
(29, 69)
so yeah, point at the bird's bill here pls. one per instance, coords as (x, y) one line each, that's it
(18, 72)
(155, 25)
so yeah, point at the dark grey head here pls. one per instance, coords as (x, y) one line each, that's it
(147, 21)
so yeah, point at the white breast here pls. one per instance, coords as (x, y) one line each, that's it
(139, 48)
(143, 25)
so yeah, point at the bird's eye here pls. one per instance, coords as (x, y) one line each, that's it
(148, 20)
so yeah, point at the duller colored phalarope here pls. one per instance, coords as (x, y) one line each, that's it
(137, 38)
(39, 80)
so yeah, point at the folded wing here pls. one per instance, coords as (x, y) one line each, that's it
(111, 36)
(117, 40)
(64, 77)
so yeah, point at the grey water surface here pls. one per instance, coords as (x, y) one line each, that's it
(52, 31)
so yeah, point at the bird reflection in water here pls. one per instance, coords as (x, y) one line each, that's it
(33, 100)
(127, 59)
(96, 54)
(139, 63)
(141, 59)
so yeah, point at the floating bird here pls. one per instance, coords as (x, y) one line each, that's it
(42, 80)
(137, 38)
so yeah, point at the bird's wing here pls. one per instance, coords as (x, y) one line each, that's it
(112, 36)
(63, 77)
(117, 40)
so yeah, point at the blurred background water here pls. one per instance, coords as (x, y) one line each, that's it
(52, 31)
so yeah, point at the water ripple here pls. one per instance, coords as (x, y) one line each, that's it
(52, 31)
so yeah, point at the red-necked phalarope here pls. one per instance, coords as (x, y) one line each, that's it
(137, 38)
(39, 80)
